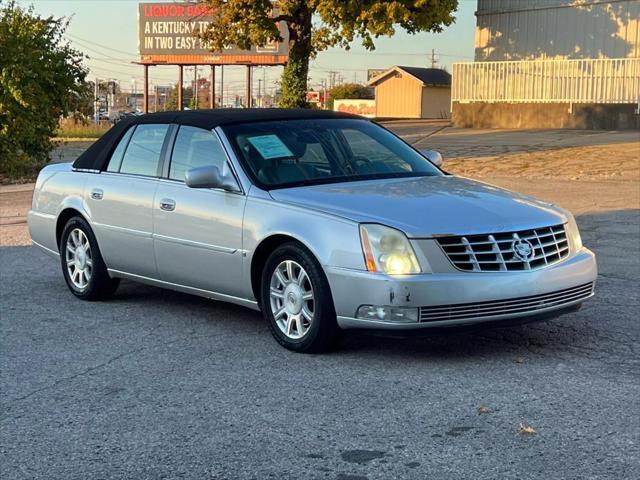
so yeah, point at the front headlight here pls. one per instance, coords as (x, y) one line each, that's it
(387, 250)
(573, 234)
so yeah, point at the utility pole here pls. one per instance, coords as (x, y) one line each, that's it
(259, 93)
(134, 91)
(96, 102)
(433, 58)
(155, 96)
(324, 93)
(264, 85)
(332, 78)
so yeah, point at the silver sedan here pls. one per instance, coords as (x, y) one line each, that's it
(322, 221)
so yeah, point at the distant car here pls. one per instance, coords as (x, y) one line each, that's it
(322, 221)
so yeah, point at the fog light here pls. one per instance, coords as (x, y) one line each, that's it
(387, 313)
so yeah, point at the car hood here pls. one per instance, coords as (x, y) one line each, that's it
(427, 206)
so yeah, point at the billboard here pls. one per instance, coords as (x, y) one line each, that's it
(365, 108)
(313, 97)
(167, 33)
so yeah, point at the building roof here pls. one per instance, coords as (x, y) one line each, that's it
(98, 154)
(426, 76)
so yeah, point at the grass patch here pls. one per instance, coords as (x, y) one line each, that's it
(78, 130)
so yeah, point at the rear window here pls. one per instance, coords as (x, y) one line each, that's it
(116, 156)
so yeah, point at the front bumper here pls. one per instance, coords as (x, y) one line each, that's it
(353, 288)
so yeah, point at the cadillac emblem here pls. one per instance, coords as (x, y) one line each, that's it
(523, 249)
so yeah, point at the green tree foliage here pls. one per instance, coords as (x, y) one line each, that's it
(172, 101)
(81, 102)
(41, 77)
(315, 25)
(348, 90)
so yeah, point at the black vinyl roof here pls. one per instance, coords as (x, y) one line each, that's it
(213, 118)
(97, 155)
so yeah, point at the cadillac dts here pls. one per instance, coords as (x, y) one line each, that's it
(322, 221)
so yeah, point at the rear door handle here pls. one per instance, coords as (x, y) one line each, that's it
(167, 204)
(97, 194)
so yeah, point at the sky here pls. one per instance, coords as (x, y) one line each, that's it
(106, 31)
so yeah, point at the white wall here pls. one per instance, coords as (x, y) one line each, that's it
(532, 29)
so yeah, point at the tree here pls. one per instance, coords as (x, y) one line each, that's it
(81, 102)
(39, 73)
(172, 100)
(314, 25)
(348, 90)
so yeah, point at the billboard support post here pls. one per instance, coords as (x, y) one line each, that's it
(248, 91)
(146, 89)
(212, 86)
(179, 87)
(221, 86)
(195, 85)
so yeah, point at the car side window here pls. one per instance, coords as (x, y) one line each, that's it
(143, 152)
(195, 147)
(116, 156)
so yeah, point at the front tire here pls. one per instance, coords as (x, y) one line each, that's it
(82, 265)
(296, 301)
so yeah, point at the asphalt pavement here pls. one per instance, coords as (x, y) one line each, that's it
(156, 384)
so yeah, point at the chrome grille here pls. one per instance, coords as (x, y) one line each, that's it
(529, 304)
(497, 252)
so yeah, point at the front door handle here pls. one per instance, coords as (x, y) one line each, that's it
(167, 204)
(97, 194)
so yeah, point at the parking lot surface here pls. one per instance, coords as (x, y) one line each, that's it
(157, 384)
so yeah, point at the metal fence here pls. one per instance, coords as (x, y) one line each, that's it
(608, 80)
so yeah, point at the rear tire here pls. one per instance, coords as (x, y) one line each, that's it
(296, 301)
(82, 265)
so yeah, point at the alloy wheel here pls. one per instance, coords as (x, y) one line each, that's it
(79, 259)
(292, 300)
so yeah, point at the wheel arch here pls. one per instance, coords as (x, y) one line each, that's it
(262, 252)
(63, 217)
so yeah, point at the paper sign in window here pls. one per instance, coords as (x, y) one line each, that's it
(270, 146)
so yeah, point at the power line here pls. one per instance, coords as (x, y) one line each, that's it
(73, 37)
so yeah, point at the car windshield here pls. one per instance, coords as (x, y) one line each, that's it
(306, 152)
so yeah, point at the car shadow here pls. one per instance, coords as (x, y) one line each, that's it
(461, 343)
(607, 233)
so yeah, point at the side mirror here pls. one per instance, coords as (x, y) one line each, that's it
(433, 156)
(209, 177)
